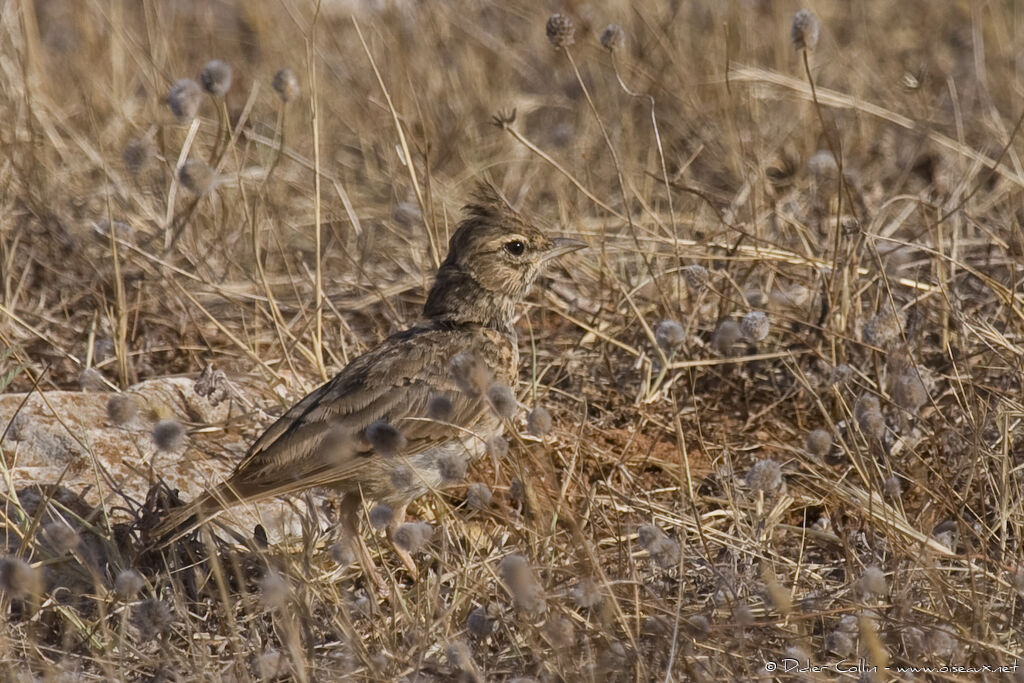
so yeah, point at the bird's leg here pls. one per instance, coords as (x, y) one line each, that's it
(350, 505)
(402, 553)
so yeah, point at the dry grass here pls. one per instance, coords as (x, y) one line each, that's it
(698, 143)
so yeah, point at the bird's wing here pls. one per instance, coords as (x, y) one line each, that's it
(321, 439)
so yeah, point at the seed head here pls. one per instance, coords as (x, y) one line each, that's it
(62, 536)
(662, 549)
(764, 476)
(909, 392)
(381, 515)
(183, 99)
(91, 379)
(755, 326)
(128, 583)
(440, 408)
(613, 37)
(866, 404)
(819, 442)
(872, 424)
(696, 277)
(725, 337)
(839, 643)
(497, 447)
(286, 85)
(502, 400)
(461, 659)
(19, 579)
(137, 154)
(401, 477)
(274, 590)
(478, 496)
(197, 177)
(385, 439)
(216, 77)
(412, 536)
(121, 408)
(479, 623)
(168, 435)
(881, 329)
(470, 374)
(669, 334)
(892, 487)
(341, 552)
(587, 594)
(152, 617)
(452, 467)
(539, 422)
(515, 572)
(804, 31)
(560, 30)
(873, 582)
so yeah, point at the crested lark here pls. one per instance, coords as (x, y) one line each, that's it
(405, 417)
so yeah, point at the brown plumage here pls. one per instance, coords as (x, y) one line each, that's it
(323, 441)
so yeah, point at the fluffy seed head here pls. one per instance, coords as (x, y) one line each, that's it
(909, 392)
(152, 617)
(452, 467)
(804, 31)
(560, 31)
(765, 476)
(470, 374)
(412, 536)
(197, 177)
(881, 329)
(613, 37)
(725, 337)
(62, 536)
(866, 404)
(502, 400)
(587, 594)
(839, 643)
(385, 439)
(168, 435)
(286, 85)
(342, 553)
(662, 549)
(696, 277)
(440, 408)
(669, 334)
(892, 487)
(479, 623)
(121, 408)
(518, 577)
(401, 477)
(183, 99)
(755, 326)
(128, 583)
(381, 516)
(137, 154)
(91, 379)
(274, 590)
(539, 421)
(19, 579)
(872, 424)
(873, 582)
(497, 447)
(478, 496)
(819, 442)
(216, 77)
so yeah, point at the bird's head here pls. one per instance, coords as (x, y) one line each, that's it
(493, 258)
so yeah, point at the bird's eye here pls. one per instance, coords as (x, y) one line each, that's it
(515, 247)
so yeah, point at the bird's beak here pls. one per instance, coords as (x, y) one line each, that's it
(563, 245)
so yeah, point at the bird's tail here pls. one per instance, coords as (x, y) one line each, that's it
(183, 520)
